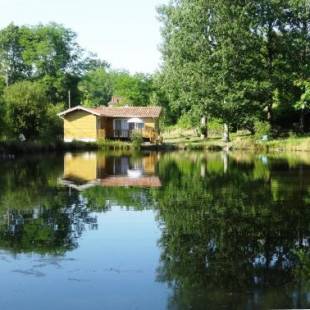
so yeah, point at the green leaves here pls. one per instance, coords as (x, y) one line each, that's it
(135, 89)
(96, 88)
(304, 102)
(26, 105)
(235, 61)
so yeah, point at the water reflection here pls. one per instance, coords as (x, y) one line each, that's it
(86, 170)
(231, 234)
(234, 228)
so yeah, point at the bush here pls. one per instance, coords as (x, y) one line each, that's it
(184, 122)
(52, 128)
(136, 139)
(261, 129)
(215, 127)
(26, 106)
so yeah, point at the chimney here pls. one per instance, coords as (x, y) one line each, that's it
(114, 101)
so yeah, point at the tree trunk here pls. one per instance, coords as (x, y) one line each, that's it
(302, 121)
(204, 127)
(7, 79)
(269, 113)
(270, 69)
(226, 133)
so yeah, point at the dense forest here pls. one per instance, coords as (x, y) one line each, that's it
(244, 64)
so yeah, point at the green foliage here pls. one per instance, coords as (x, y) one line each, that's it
(48, 53)
(302, 270)
(12, 65)
(39, 65)
(261, 129)
(52, 127)
(215, 127)
(304, 102)
(104, 144)
(135, 89)
(185, 121)
(136, 139)
(235, 61)
(96, 88)
(26, 106)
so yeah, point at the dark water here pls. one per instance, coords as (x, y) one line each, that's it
(155, 231)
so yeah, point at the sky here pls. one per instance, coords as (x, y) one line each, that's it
(126, 33)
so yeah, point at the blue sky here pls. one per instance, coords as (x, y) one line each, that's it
(123, 32)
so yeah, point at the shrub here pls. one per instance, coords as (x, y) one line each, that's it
(52, 128)
(136, 139)
(184, 122)
(215, 127)
(261, 129)
(26, 106)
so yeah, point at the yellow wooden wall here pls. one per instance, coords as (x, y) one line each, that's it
(82, 167)
(149, 163)
(80, 125)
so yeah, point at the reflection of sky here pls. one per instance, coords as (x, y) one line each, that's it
(114, 267)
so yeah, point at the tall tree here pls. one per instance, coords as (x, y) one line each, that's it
(235, 60)
(298, 55)
(12, 65)
(205, 45)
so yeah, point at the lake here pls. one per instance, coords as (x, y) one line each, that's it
(179, 230)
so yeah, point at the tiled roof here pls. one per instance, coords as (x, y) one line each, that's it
(145, 181)
(129, 111)
(153, 111)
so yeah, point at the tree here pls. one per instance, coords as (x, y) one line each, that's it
(135, 89)
(299, 53)
(54, 56)
(96, 88)
(49, 53)
(26, 106)
(186, 51)
(12, 65)
(205, 45)
(303, 105)
(235, 60)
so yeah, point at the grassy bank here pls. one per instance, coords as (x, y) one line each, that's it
(238, 142)
(241, 142)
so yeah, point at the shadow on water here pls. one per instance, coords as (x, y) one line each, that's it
(235, 227)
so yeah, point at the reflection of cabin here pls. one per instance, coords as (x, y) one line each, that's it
(90, 169)
(91, 124)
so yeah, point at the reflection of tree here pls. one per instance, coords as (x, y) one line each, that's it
(35, 216)
(229, 225)
(226, 232)
(102, 198)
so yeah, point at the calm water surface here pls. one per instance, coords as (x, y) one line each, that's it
(155, 231)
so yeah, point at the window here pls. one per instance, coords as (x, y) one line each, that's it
(120, 124)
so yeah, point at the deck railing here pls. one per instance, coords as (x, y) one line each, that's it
(147, 132)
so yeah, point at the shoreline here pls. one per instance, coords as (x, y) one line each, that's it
(302, 144)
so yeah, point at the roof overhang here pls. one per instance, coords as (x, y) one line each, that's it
(78, 108)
